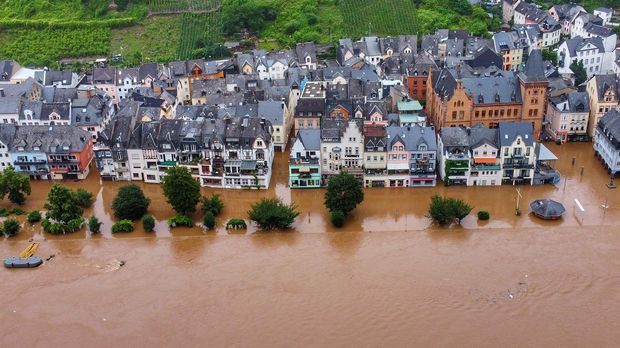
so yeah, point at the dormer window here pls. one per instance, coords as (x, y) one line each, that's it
(308, 60)
(36, 148)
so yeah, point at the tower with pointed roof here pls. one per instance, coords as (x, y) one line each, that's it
(534, 85)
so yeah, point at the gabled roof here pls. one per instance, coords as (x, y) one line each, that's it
(609, 125)
(310, 138)
(509, 131)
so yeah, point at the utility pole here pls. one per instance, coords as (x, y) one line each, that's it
(517, 211)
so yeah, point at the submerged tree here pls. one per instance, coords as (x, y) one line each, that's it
(16, 185)
(271, 213)
(181, 190)
(344, 193)
(130, 203)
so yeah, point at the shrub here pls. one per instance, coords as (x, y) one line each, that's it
(122, 226)
(209, 220)
(213, 204)
(84, 198)
(483, 215)
(180, 220)
(10, 227)
(337, 218)
(94, 225)
(130, 203)
(270, 213)
(4, 212)
(236, 224)
(53, 227)
(447, 210)
(15, 185)
(17, 211)
(34, 216)
(148, 223)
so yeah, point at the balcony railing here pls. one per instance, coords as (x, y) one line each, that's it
(29, 161)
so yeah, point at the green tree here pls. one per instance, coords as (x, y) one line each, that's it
(148, 223)
(270, 213)
(16, 185)
(61, 205)
(344, 193)
(94, 225)
(10, 227)
(130, 203)
(447, 210)
(550, 55)
(212, 204)
(84, 198)
(209, 220)
(580, 72)
(181, 190)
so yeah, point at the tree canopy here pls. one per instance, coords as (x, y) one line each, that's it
(271, 213)
(15, 184)
(181, 190)
(581, 75)
(444, 210)
(130, 203)
(344, 193)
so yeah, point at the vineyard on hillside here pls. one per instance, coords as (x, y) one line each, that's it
(178, 6)
(388, 17)
(197, 31)
(45, 47)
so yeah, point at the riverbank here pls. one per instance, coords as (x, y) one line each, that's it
(506, 287)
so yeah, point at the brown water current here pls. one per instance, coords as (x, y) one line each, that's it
(389, 278)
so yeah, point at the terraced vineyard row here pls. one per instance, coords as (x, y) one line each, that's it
(178, 6)
(387, 17)
(197, 30)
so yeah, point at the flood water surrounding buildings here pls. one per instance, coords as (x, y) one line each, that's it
(388, 278)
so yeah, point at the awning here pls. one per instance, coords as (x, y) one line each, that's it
(398, 166)
(248, 165)
(484, 160)
(544, 154)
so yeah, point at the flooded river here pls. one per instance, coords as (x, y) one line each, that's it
(389, 278)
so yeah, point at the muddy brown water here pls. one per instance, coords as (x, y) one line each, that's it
(389, 278)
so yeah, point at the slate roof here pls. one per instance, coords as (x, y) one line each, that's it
(605, 82)
(609, 125)
(534, 68)
(7, 69)
(105, 76)
(576, 44)
(479, 134)
(571, 102)
(508, 132)
(412, 137)
(485, 57)
(148, 69)
(454, 137)
(306, 49)
(598, 30)
(50, 138)
(7, 133)
(310, 138)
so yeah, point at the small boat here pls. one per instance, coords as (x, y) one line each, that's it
(17, 262)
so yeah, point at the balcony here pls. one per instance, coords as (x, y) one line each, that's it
(523, 164)
(63, 161)
(313, 161)
(29, 161)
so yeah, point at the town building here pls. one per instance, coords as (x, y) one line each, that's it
(607, 140)
(604, 95)
(457, 97)
(305, 160)
(567, 117)
(517, 152)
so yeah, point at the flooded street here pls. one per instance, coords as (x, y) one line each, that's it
(388, 278)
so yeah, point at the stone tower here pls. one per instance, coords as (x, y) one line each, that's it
(534, 85)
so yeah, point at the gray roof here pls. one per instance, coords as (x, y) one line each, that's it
(7, 133)
(310, 138)
(598, 30)
(412, 137)
(576, 44)
(7, 69)
(508, 132)
(534, 68)
(305, 49)
(50, 138)
(454, 136)
(606, 82)
(571, 102)
(493, 90)
(480, 134)
(609, 125)
(272, 111)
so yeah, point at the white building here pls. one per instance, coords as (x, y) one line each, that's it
(590, 52)
(607, 140)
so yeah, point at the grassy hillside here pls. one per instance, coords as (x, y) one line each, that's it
(163, 30)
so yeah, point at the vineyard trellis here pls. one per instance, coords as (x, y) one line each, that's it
(183, 6)
(388, 17)
(196, 29)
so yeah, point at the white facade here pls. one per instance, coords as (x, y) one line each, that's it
(589, 54)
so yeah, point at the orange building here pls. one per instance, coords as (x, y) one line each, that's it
(457, 97)
(417, 76)
(69, 153)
